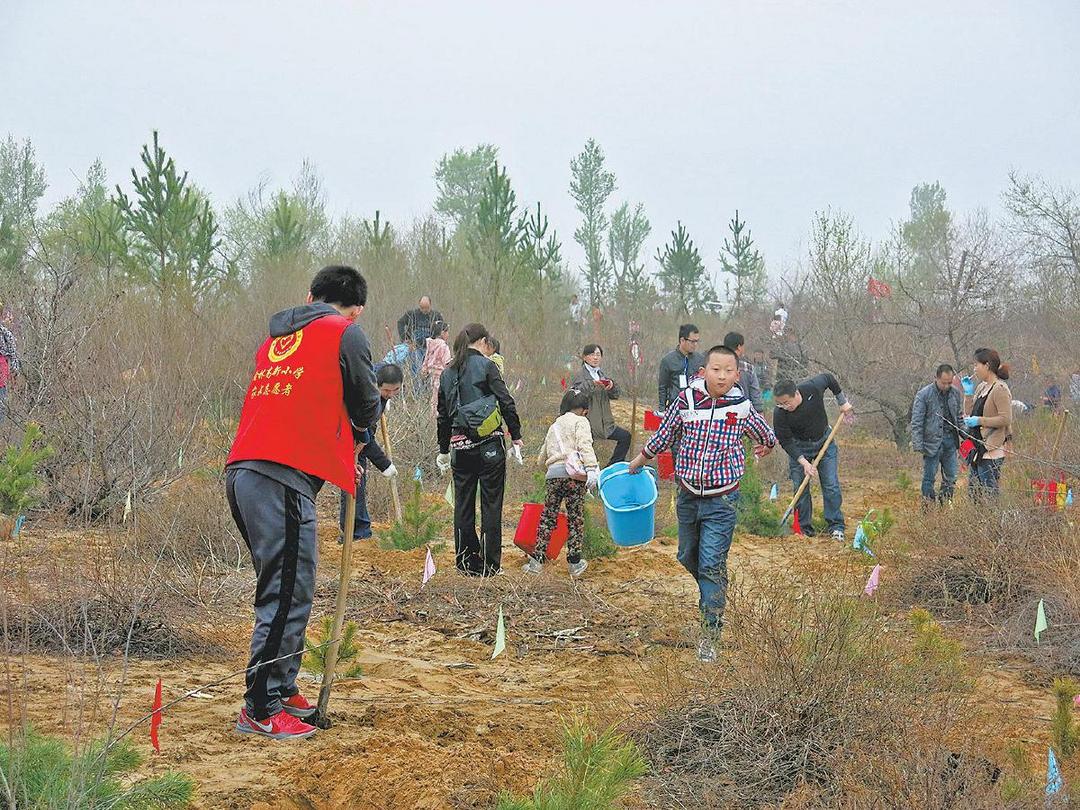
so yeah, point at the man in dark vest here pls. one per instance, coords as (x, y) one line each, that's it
(311, 398)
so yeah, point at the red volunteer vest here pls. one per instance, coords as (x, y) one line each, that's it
(294, 413)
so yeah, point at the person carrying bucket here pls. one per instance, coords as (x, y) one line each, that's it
(571, 467)
(710, 419)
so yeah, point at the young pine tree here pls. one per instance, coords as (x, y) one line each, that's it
(742, 262)
(590, 186)
(682, 273)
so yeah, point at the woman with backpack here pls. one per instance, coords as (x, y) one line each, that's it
(475, 412)
(988, 404)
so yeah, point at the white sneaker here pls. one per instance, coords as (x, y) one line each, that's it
(578, 568)
(838, 535)
(706, 652)
(533, 566)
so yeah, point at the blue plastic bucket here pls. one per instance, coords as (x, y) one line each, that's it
(629, 503)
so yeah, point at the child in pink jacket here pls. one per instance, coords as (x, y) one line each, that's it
(436, 359)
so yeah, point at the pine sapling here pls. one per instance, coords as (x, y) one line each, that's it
(419, 525)
(314, 660)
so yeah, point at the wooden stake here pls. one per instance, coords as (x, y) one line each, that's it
(322, 719)
(1060, 433)
(389, 451)
(806, 478)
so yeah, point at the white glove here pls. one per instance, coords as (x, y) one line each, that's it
(593, 479)
(390, 472)
(442, 461)
(516, 451)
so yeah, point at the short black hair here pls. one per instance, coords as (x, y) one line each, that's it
(390, 374)
(687, 329)
(944, 368)
(573, 399)
(721, 349)
(438, 327)
(590, 348)
(734, 340)
(495, 345)
(784, 388)
(339, 284)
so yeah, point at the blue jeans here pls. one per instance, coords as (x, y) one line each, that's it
(947, 460)
(829, 478)
(985, 479)
(706, 526)
(362, 524)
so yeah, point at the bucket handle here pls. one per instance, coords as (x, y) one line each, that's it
(617, 473)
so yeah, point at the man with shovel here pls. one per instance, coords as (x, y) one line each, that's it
(802, 428)
(310, 402)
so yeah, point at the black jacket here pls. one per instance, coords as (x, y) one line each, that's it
(415, 326)
(479, 378)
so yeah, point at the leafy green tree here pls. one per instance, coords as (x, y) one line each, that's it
(540, 250)
(22, 184)
(590, 186)
(682, 273)
(172, 230)
(460, 179)
(495, 241)
(927, 234)
(740, 260)
(628, 232)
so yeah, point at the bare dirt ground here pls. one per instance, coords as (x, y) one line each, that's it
(434, 722)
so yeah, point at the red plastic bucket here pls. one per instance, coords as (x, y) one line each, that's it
(652, 420)
(529, 525)
(665, 465)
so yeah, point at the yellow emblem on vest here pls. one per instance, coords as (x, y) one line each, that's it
(285, 346)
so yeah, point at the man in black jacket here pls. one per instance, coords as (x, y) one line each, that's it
(802, 426)
(415, 325)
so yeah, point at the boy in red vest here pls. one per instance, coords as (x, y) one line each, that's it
(312, 397)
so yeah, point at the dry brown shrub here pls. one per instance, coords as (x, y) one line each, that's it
(819, 705)
(95, 601)
(991, 565)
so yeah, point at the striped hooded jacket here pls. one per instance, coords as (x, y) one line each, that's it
(709, 432)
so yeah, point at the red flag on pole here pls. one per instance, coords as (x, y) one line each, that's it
(155, 719)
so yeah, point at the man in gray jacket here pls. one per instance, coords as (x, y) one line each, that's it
(679, 366)
(748, 380)
(934, 417)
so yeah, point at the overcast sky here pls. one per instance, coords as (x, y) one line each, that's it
(776, 108)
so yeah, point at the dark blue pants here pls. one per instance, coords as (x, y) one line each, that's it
(706, 526)
(362, 524)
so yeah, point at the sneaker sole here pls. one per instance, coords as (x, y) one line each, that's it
(245, 729)
(302, 714)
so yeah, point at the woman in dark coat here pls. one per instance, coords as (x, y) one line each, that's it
(476, 460)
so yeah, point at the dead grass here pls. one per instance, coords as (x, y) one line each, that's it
(817, 705)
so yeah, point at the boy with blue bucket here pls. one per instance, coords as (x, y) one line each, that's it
(709, 420)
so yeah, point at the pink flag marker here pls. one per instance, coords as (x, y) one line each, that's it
(873, 582)
(429, 568)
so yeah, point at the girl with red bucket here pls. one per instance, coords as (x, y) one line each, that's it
(571, 468)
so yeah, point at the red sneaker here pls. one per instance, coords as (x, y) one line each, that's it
(298, 706)
(282, 726)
